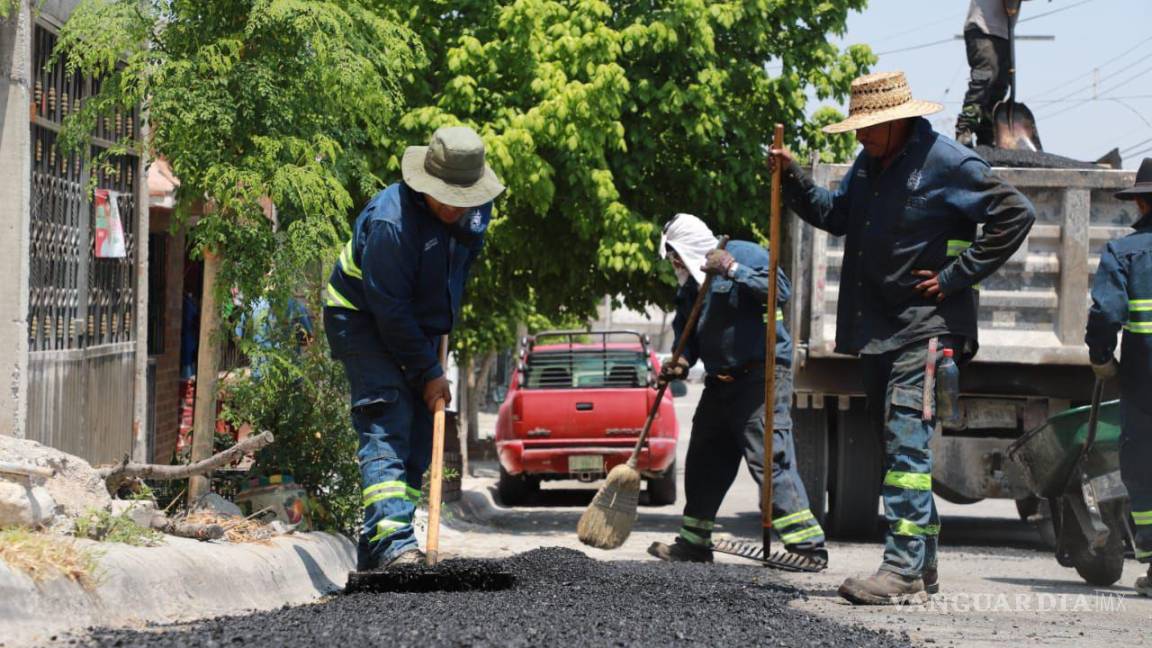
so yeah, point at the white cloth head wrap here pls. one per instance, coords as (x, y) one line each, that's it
(692, 240)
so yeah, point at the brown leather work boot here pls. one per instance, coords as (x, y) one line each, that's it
(884, 588)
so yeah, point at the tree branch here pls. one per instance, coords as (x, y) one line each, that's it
(115, 475)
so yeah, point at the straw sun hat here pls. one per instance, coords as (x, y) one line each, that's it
(881, 97)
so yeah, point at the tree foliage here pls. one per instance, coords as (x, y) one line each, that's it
(253, 103)
(605, 118)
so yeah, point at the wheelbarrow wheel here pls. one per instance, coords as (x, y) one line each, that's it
(1099, 569)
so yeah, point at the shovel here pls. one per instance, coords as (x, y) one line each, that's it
(1013, 123)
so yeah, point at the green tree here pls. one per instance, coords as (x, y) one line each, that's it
(251, 101)
(605, 118)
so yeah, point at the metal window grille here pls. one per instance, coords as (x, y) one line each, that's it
(76, 300)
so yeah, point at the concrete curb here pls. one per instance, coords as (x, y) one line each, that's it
(179, 581)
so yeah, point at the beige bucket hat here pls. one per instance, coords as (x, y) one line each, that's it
(451, 168)
(881, 97)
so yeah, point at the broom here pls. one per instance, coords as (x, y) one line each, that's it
(608, 521)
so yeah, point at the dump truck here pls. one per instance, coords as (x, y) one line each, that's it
(1032, 362)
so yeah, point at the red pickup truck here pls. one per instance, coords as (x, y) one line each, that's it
(575, 405)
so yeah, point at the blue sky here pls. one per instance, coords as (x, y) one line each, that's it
(1103, 49)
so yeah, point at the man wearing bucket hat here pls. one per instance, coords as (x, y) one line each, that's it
(396, 289)
(908, 208)
(1122, 299)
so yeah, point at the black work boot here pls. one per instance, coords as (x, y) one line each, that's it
(681, 551)
(1144, 583)
(884, 588)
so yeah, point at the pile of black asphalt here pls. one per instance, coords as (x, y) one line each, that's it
(1029, 159)
(560, 598)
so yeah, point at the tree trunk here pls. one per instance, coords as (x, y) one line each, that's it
(207, 363)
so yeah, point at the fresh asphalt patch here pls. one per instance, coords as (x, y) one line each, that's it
(560, 598)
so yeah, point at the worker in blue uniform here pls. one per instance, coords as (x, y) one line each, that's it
(395, 290)
(909, 208)
(1122, 299)
(730, 341)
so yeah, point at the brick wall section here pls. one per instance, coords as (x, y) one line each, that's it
(168, 363)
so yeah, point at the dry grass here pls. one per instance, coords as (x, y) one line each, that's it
(236, 529)
(44, 556)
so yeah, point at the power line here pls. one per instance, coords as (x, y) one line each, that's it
(1142, 143)
(1095, 83)
(917, 47)
(1102, 94)
(1065, 83)
(1054, 11)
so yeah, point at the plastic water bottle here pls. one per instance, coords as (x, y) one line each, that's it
(948, 390)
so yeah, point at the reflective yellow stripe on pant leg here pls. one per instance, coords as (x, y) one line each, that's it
(696, 523)
(383, 491)
(795, 518)
(694, 538)
(800, 536)
(906, 528)
(388, 526)
(1142, 518)
(908, 480)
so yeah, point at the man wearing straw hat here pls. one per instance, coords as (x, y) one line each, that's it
(396, 289)
(1122, 299)
(908, 208)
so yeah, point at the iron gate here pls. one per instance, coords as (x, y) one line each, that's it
(81, 309)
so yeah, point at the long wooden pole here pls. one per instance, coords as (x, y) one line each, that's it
(770, 347)
(436, 481)
(207, 370)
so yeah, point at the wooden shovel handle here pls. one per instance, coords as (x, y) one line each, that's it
(436, 477)
(770, 348)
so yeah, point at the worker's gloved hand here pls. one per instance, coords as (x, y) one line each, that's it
(670, 371)
(436, 389)
(718, 262)
(1107, 370)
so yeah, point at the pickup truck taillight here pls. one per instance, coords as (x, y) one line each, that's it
(517, 408)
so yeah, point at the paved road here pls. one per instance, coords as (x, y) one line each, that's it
(1001, 585)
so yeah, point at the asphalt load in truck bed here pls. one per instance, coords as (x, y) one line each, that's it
(561, 598)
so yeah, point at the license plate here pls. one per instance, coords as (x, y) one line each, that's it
(586, 464)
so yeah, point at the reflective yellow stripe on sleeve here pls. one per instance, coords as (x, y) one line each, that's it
(1140, 328)
(348, 263)
(333, 297)
(956, 247)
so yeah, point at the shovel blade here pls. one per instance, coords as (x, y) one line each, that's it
(1015, 127)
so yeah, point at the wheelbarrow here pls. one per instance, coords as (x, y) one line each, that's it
(1073, 461)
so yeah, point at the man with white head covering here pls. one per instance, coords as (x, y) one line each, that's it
(729, 423)
(908, 208)
(396, 289)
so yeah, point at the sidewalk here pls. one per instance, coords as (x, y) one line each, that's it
(179, 581)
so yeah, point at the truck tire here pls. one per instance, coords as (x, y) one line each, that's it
(662, 490)
(515, 490)
(810, 432)
(855, 473)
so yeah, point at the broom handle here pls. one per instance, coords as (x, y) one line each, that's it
(770, 348)
(436, 481)
(686, 333)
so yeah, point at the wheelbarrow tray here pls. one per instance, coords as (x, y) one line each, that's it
(1048, 454)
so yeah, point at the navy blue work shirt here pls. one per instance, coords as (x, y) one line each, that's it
(920, 213)
(1122, 299)
(399, 283)
(730, 334)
